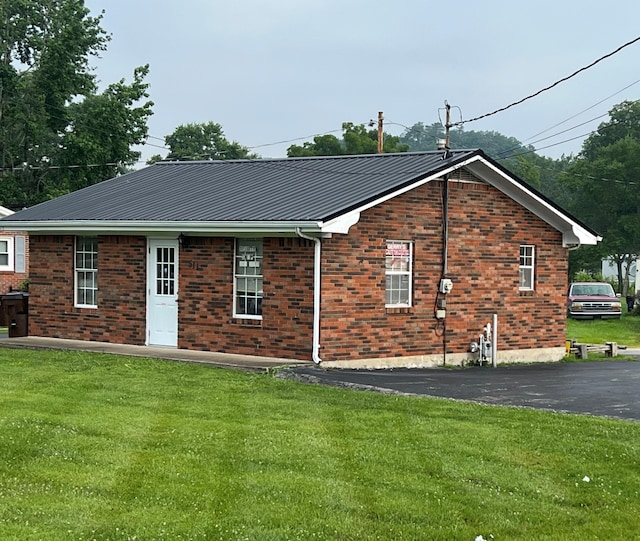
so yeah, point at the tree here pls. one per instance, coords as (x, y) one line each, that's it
(420, 137)
(103, 129)
(205, 141)
(51, 119)
(624, 121)
(356, 139)
(603, 183)
(322, 145)
(542, 173)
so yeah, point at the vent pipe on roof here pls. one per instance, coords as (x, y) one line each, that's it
(315, 355)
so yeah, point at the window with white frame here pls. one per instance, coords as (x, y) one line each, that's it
(398, 269)
(86, 272)
(527, 266)
(13, 254)
(248, 278)
(6, 253)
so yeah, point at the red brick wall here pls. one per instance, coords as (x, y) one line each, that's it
(206, 300)
(10, 280)
(120, 316)
(205, 296)
(486, 230)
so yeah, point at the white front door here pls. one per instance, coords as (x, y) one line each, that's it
(162, 293)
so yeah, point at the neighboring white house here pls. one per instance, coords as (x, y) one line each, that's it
(14, 256)
(610, 270)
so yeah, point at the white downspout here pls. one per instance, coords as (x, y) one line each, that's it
(494, 342)
(315, 355)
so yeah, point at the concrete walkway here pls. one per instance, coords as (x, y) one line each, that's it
(224, 360)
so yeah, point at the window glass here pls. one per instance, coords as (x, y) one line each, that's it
(6, 261)
(86, 272)
(248, 278)
(527, 262)
(398, 269)
(165, 271)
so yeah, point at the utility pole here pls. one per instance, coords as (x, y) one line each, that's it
(380, 132)
(447, 127)
(445, 144)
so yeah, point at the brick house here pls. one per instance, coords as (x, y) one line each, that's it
(14, 257)
(350, 261)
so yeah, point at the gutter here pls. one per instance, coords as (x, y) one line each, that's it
(147, 227)
(315, 355)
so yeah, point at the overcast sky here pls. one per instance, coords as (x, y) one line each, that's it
(279, 70)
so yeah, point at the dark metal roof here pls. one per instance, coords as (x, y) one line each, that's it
(292, 189)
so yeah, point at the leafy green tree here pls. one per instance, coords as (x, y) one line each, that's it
(51, 119)
(105, 127)
(538, 171)
(204, 141)
(603, 181)
(542, 173)
(624, 121)
(322, 145)
(420, 137)
(356, 139)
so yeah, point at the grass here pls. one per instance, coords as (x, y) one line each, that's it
(116, 448)
(625, 330)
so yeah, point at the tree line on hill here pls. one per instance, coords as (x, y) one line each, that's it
(59, 134)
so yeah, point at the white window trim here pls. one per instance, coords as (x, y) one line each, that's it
(532, 267)
(10, 255)
(75, 276)
(235, 283)
(408, 273)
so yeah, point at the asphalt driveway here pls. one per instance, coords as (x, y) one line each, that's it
(604, 388)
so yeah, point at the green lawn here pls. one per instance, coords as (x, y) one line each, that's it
(116, 448)
(625, 330)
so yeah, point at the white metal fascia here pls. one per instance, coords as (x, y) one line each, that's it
(572, 232)
(342, 223)
(262, 228)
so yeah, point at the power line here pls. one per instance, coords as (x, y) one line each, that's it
(583, 111)
(293, 140)
(94, 129)
(599, 129)
(504, 154)
(550, 86)
(22, 168)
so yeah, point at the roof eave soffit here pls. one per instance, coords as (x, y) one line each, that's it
(572, 232)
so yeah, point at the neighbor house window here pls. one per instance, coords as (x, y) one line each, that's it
(86, 272)
(527, 262)
(398, 269)
(13, 254)
(248, 278)
(6, 253)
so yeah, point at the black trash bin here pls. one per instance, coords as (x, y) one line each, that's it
(15, 307)
(631, 300)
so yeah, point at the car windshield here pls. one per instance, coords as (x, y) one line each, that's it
(594, 290)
